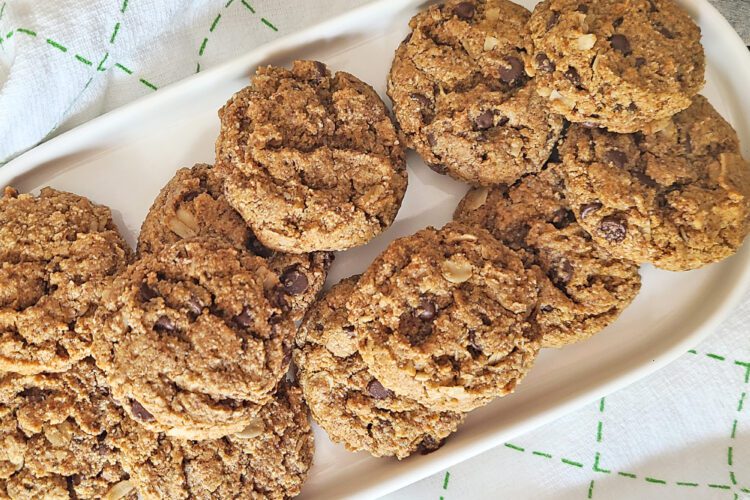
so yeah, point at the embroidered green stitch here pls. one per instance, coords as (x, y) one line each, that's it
(57, 45)
(124, 6)
(655, 481)
(720, 486)
(541, 454)
(680, 483)
(732, 478)
(24, 31)
(693, 351)
(734, 428)
(203, 47)
(114, 33)
(729, 456)
(84, 60)
(100, 66)
(596, 465)
(228, 3)
(627, 474)
(126, 70)
(213, 25)
(268, 23)
(445, 481)
(591, 489)
(747, 369)
(2, 11)
(514, 447)
(715, 356)
(599, 432)
(742, 402)
(248, 6)
(571, 462)
(149, 84)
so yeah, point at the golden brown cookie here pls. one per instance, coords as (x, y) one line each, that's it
(626, 65)
(584, 288)
(445, 317)
(311, 160)
(679, 198)
(193, 204)
(346, 400)
(194, 339)
(268, 460)
(55, 434)
(56, 251)
(462, 98)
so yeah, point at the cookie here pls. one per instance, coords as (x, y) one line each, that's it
(584, 288)
(268, 460)
(194, 339)
(193, 204)
(55, 433)
(445, 317)
(461, 96)
(311, 160)
(56, 250)
(626, 65)
(346, 400)
(678, 198)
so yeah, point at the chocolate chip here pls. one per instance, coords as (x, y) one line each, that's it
(583, 8)
(589, 208)
(620, 43)
(194, 306)
(429, 444)
(321, 69)
(408, 37)
(278, 299)
(654, 8)
(544, 63)
(561, 272)
(688, 144)
(547, 308)
(632, 107)
(616, 158)
(502, 121)
(427, 309)
(328, 258)
(422, 99)
(34, 394)
(436, 167)
(245, 318)
(553, 18)
(426, 107)
(140, 412)
(416, 330)
(613, 228)
(377, 391)
(190, 196)
(572, 75)
(617, 22)
(644, 179)
(554, 156)
(640, 61)
(464, 10)
(293, 280)
(666, 33)
(484, 121)
(256, 247)
(474, 349)
(164, 324)
(513, 71)
(431, 139)
(562, 218)
(147, 293)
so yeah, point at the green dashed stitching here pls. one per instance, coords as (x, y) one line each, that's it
(734, 429)
(571, 462)
(24, 31)
(228, 3)
(114, 33)
(720, 486)
(268, 23)
(100, 66)
(627, 474)
(203, 47)
(729, 456)
(693, 351)
(732, 478)
(148, 84)
(742, 402)
(591, 489)
(126, 70)
(445, 481)
(599, 432)
(2, 11)
(655, 481)
(596, 465)
(57, 45)
(124, 6)
(715, 356)
(541, 454)
(248, 6)
(84, 60)
(514, 447)
(213, 25)
(681, 483)
(746, 366)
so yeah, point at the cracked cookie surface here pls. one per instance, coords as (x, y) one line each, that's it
(626, 65)
(462, 98)
(193, 340)
(56, 251)
(347, 400)
(678, 198)
(311, 160)
(192, 204)
(445, 317)
(583, 288)
(55, 433)
(268, 460)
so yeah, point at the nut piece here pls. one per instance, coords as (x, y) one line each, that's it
(490, 43)
(585, 42)
(184, 225)
(492, 14)
(476, 198)
(457, 271)
(59, 435)
(463, 237)
(557, 97)
(118, 491)
(253, 429)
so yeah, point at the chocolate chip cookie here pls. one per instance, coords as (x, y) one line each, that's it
(269, 459)
(55, 434)
(462, 98)
(193, 204)
(56, 250)
(311, 160)
(195, 338)
(346, 400)
(679, 198)
(446, 318)
(584, 288)
(627, 65)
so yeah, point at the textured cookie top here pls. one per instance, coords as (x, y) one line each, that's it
(55, 434)
(583, 287)
(193, 204)
(312, 160)
(56, 249)
(626, 65)
(462, 98)
(445, 317)
(268, 460)
(193, 339)
(346, 400)
(679, 198)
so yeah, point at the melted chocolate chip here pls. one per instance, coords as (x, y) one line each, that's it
(377, 391)
(553, 18)
(665, 32)
(640, 61)
(257, 248)
(620, 43)
(513, 71)
(293, 280)
(190, 196)
(140, 412)
(617, 22)
(320, 68)
(426, 107)
(164, 324)
(465, 10)
(427, 309)
(572, 75)
(416, 330)
(408, 37)
(613, 228)
(589, 208)
(436, 167)
(147, 293)
(544, 63)
(561, 272)
(616, 158)
(583, 8)
(34, 394)
(278, 299)
(644, 179)
(429, 444)
(245, 318)
(484, 121)
(562, 218)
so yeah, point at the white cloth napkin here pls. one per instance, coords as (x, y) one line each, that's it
(681, 433)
